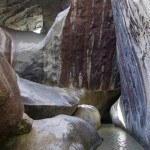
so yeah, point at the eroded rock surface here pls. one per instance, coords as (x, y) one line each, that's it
(30, 15)
(90, 114)
(42, 101)
(58, 133)
(133, 45)
(11, 108)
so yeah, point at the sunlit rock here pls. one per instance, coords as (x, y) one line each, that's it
(90, 114)
(58, 133)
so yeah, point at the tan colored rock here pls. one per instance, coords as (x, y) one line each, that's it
(58, 133)
(90, 114)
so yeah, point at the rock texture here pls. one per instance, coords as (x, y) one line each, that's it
(90, 114)
(89, 53)
(102, 100)
(5, 45)
(62, 59)
(59, 133)
(41, 101)
(133, 44)
(41, 62)
(30, 15)
(11, 108)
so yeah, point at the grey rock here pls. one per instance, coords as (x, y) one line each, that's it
(58, 133)
(41, 62)
(42, 101)
(132, 21)
(90, 114)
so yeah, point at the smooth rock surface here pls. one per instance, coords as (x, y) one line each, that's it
(42, 101)
(90, 114)
(58, 133)
(11, 108)
(133, 45)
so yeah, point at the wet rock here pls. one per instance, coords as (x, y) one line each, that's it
(25, 126)
(133, 36)
(61, 133)
(11, 108)
(42, 101)
(90, 114)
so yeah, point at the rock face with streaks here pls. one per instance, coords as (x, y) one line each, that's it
(42, 101)
(29, 15)
(62, 59)
(58, 133)
(11, 108)
(132, 20)
(88, 56)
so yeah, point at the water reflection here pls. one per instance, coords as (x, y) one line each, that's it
(117, 139)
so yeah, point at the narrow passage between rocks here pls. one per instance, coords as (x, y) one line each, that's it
(115, 138)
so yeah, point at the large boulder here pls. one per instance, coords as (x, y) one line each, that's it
(42, 101)
(11, 108)
(62, 59)
(90, 114)
(58, 133)
(133, 36)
